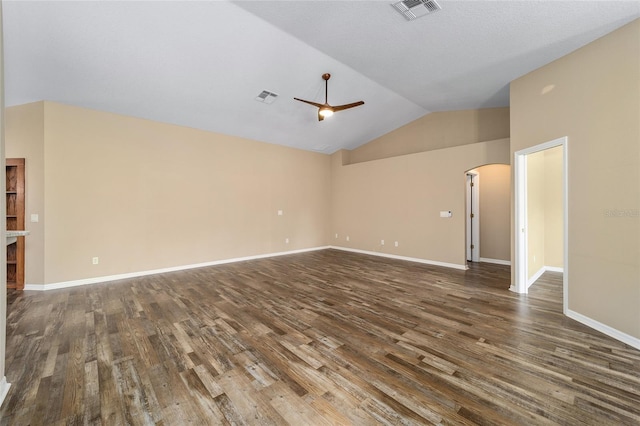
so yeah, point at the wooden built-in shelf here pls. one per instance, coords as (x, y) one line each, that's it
(15, 221)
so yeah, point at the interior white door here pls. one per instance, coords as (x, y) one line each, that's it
(473, 216)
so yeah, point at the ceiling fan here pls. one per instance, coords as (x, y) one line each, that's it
(325, 110)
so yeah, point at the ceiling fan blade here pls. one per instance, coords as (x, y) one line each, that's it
(315, 104)
(326, 110)
(347, 106)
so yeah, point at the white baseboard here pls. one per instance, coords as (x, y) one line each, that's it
(535, 276)
(4, 389)
(495, 261)
(541, 271)
(410, 259)
(603, 328)
(609, 331)
(96, 280)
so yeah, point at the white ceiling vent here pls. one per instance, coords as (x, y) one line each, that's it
(267, 97)
(413, 9)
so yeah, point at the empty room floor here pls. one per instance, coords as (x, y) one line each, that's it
(324, 337)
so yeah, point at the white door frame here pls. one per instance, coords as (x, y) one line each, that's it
(520, 174)
(473, 224)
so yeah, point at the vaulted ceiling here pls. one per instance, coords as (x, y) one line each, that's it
(202, 64)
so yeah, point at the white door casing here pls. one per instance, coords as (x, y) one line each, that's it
(473, 216)
(520, 231)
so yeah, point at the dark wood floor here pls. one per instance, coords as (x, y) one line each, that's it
(326, 337)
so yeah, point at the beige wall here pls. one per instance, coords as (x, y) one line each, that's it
(544, 210)
(399, 199)
(24, 134)
(553, 209)
(142, 195)
(535, 213)
(435, 131)
(592, 96)
(494, 206)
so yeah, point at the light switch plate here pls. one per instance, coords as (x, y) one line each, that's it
(34, 218)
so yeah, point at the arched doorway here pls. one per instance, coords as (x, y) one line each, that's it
(488, 198)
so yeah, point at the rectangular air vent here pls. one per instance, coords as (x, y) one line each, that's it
(267, 97)
(413, 9)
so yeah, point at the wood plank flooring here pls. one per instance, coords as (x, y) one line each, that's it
(319, 338)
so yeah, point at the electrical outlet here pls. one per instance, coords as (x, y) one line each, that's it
(381, 242)
(286, 241)
(95, 260)
(396, 243)
(347, 238)
(280, 212)
(336, 236)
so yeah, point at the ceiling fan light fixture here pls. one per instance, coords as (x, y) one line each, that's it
(326, 112)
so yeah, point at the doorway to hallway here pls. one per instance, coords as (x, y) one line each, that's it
(541, 211)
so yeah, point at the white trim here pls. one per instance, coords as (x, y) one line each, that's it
(520, 176)
(495, 261)
(535, 277)
(603, 328)
(472, 224)
(520, 173)
(542, 271)
(565, 225)
(96, 280)
(410, 259)
(4, 389)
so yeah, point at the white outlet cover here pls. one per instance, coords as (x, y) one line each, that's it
(347, 238)
(280, 212)
(381, 242)
(34, 218)
(396, 244)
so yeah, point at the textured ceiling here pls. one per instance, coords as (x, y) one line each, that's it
(201, 64)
